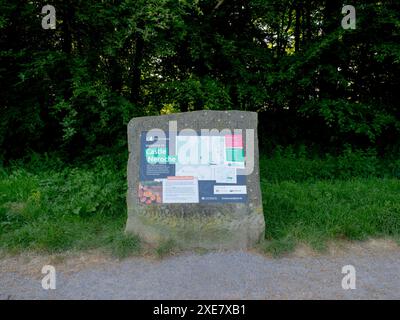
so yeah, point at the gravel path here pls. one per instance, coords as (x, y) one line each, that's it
(217, 275)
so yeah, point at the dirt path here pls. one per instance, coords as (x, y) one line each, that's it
(214, 275)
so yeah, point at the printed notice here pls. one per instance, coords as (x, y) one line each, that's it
(225, 174)
(230, 190)
(192, 168)
(180, 190)
(202, 172)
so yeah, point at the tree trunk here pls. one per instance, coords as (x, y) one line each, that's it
(297, 31)
(332, 15)
(66, 28)
(308, 34)
(136, 68)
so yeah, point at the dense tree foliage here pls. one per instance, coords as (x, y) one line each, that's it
(74, 88)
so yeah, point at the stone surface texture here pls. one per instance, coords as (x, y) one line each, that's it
(188, 226)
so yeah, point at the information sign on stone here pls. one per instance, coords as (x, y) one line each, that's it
(194, 179)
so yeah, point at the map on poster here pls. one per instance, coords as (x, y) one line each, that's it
(192, 168)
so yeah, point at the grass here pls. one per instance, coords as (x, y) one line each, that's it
(316, 212)
(165, 248)
(47, 206)
(57, 208)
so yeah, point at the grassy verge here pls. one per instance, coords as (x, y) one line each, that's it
(47, 206)
(61, 208)
(316, 212)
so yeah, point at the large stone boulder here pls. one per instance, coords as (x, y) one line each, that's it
(221, 217)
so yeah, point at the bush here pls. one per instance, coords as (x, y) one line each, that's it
(75, 207)
(286, 164)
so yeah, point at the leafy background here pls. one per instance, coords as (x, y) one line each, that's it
(329, 119)
(73, 89)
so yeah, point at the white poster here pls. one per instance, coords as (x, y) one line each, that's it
(197, 169)
(180, 190)
(225, 174)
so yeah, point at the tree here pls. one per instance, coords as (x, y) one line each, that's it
(74, 88)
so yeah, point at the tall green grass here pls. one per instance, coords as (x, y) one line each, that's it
(46, 205)
(355, 195)
(315, 212)
(55, 207)
(288, 164)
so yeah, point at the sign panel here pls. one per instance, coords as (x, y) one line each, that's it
(191, 168)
